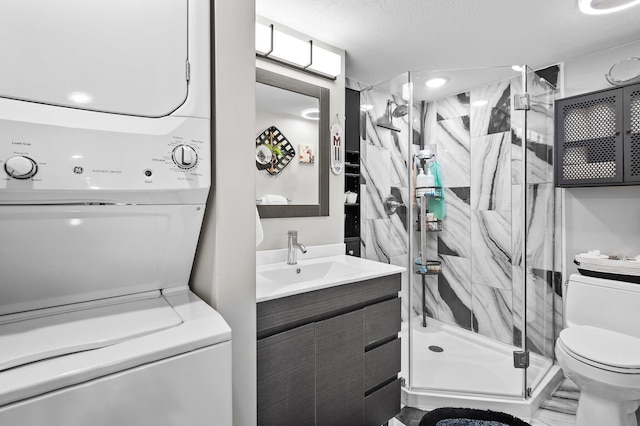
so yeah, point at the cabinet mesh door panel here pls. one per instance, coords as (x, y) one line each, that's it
(590, 143)
(632, 154)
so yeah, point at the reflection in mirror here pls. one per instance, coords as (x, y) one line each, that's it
(292, 147)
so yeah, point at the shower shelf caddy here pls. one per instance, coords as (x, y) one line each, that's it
(427, 267)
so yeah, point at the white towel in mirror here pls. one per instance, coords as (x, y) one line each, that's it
(274, 199)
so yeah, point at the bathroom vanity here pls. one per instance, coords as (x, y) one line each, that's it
(330, 355)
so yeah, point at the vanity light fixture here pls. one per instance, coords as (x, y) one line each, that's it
(279, 46)
(600, 7)
(311, 113)
(436, 82)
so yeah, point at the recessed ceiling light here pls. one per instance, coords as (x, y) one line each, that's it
(599, 7)
(436, 82)
(311, 113)
(481, 102)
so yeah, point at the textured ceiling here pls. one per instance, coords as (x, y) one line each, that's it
(384, 38)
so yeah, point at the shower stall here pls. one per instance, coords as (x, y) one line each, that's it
(482, 291)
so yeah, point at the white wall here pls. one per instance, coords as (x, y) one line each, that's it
(604, 218)
(312, 230)
(224, 270)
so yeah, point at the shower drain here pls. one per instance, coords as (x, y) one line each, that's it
(436, 348)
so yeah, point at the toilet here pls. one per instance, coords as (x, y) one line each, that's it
(600, 349)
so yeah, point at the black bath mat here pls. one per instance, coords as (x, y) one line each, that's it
(469, 417)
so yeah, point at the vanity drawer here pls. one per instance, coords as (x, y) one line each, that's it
(381, 364)
(382, 321)
(382, 405)
(277, 315)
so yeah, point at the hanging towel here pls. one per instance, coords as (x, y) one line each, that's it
(259, 231)
(436, 205)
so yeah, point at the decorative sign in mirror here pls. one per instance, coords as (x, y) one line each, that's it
(292, 178)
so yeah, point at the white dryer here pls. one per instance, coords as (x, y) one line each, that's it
(104, 177)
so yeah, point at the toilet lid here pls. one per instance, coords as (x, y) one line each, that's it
(601, 346)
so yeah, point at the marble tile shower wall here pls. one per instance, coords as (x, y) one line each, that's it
(479, 149)
(384, 157)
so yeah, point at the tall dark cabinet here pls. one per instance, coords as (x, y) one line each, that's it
(598, 138)
(352, 218)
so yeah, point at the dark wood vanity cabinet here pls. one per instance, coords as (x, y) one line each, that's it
(331, 356)
(598, 138)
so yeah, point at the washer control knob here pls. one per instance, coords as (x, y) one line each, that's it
(185, 156)
(20, 167)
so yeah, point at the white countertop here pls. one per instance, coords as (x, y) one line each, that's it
(276, 280)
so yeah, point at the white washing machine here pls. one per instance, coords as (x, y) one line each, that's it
(104, 177)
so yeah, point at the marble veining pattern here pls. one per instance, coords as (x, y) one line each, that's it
(491, 248)
(491, 172)
(454, 287)
(455, 237)
(493, 308)
(376, 172)
(495, 115)
(453, 149)
(452, 106)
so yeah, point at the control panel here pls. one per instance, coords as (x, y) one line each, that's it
(168, 161)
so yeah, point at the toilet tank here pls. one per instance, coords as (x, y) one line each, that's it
(608, 304)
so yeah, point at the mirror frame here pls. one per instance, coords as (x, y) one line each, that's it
(322, 94)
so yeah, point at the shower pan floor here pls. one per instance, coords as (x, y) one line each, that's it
(468, 363)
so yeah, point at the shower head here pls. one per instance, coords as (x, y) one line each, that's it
(386, 120)
(400, 111)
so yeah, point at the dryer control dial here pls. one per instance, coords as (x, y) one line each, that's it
(20, 167)
(185, 156)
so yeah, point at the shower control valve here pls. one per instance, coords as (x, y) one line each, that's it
(184, 156)
(20, 167)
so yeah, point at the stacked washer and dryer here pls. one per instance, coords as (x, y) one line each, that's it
(104, 175)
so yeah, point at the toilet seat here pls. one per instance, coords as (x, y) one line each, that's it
(603, 349)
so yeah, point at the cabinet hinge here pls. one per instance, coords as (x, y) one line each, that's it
(520, 359)
(521, 102)
(188, 71)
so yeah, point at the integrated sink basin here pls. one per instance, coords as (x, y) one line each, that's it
(293, 274)
(277, 280)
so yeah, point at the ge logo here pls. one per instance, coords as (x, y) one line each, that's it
(78, 170)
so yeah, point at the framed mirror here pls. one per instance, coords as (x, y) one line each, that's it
(292, 147)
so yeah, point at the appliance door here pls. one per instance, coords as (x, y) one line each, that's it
(191, 389)
(60, 254)
(116, 56)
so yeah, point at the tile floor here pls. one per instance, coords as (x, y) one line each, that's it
(558, 410)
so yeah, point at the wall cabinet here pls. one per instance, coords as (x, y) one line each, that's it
(598, 138)
(331, 356)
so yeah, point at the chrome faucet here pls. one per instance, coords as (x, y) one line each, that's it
(293, 246)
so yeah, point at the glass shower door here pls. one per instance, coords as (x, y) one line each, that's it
(473, 307)
(535, 263)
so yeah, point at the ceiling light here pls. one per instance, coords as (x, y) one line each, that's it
(481, 102)
(436, 82)
(599, 7)
(311, 113)
(281, 46)
(81, 98)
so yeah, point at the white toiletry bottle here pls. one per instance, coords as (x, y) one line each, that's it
(430, 183)
(421, 184)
